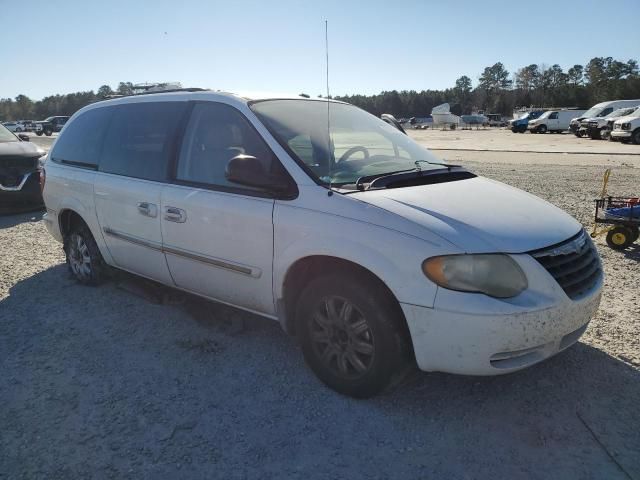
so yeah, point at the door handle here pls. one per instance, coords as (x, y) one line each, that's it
(148, 209)
(173, 214)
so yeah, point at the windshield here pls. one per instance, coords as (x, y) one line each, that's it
(592, 112)
(6, 135)
(621, 112)
(635, 113)
(359, 145)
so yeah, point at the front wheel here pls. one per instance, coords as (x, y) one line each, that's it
(619, 238)
(596, 134)
(39, 133)
(542, 129)
(48, 133)
(83, 256)
(635, 137)
(350, 334)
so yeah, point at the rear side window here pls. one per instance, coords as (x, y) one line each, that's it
(81, 142)
(140, 139)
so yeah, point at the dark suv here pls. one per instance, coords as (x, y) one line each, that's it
(50, 125)
(20, 172)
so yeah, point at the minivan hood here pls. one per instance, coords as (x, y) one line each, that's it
(478, 215)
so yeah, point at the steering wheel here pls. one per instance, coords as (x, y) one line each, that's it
(353, 150)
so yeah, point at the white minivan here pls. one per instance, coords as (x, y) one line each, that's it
(316, 214)
(554, 121)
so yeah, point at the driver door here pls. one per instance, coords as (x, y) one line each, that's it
(217, 235)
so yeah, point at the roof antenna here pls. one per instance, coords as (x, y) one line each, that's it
(329, 152)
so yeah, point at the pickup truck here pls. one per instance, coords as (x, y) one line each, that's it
(50, 125)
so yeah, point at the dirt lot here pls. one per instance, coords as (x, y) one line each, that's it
(101, 382)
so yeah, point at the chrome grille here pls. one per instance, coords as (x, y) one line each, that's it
(574, 264)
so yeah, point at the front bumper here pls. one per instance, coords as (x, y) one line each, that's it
(26, 194)
(621, 134)
(472, 334)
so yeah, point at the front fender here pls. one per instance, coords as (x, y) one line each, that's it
(394, 257)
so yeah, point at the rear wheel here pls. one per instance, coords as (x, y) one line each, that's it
(48, 132)
(619, 238)
(350, 334)
(83, 256)
(39, 133)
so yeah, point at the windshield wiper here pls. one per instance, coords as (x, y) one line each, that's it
(372, 178)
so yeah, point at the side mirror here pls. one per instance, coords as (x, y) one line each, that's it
(247, 170)
(24, 137)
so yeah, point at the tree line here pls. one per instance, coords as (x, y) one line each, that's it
(23, 108)
(496, 91)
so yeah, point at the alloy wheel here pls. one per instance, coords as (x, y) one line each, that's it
(79, 257)
(342, 338)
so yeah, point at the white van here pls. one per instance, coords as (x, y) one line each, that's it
(318, 215)
(627, 128)
(554, 121)
(579, 126)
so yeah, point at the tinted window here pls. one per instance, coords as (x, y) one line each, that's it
(553, 116)
(139, 140)
(215, 134)
(82, 140)
(606, 111)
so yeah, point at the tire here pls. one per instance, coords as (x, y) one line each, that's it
(357, 349)
(48, 132)
(619, 238)
(635, 136)
(635, 234)
(542, 129)
(39, 133)
(83, 257)
(596, 134)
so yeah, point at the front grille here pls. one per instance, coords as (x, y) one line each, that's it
(574, 264)
(18, 164)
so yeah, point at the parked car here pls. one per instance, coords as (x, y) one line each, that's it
(520, 124)
(495, 120)
(20, 172)
(627, 128)
(16, 127)
(578, 125)
(50, 125)
(600, 127)
(318, 215)
(554, 121)
(29, 125)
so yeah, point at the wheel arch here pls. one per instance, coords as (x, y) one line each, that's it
(303, 270)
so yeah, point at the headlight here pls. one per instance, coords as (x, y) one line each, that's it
(626, 126)
(496, 275)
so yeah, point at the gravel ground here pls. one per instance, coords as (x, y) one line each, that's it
(107, 383)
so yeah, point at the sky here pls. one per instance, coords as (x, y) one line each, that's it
(279, 45)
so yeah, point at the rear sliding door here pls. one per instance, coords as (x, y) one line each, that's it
(133, 168)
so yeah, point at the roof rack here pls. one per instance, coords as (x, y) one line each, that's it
(189, 89)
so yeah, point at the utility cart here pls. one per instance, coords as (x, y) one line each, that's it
(620, 214)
